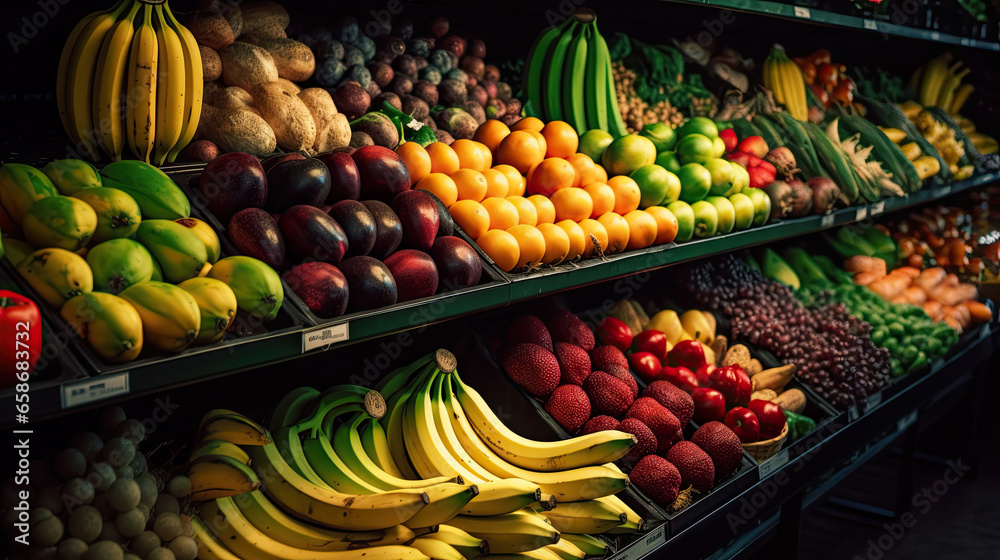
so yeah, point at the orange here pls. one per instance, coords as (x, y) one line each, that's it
(544, 207)
(519, 149)
(618, 231)
(496, 183)
(515, 181)
(595, 229)
(490, 133)
(471, 184)
(666, 224)
(533, 124)
(503, 213)
(527, 214)
(443, 158)
(441, 186)
(472, 154)
(600, 173)
(572, 204)
(577, 241)
(603, 198)
(556, 243)
(471, 217)
(417, 160)
(586, 172)
(500, 246)
(561, 139)
(627, 194)
(641, 229)
(531, 243)
(550, 175)
(542, 142)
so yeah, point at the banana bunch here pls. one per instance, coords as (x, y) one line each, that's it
(569, 77)
(418, 476)
(784, 78)
(131, 74)
(941, 85)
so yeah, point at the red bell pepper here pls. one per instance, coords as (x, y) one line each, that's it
(687, 353)
(645, 365)
(614, 332)
(726, 380)
(652, 341)
(20, 337)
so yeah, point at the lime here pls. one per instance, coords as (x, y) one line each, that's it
(699, 125)
(668, 161)
(656, 185)
(695, 148)
(662, 135)
(593, 143)
(628, 153)
(685, 219)
(696, 182)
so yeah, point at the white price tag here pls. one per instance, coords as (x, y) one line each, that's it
(647, 543)
(94, 389)
(935, 36)
(768, 467)
(906, 421)
(878, 208)
(870, 24)
(965, 42)
(802, 12)
(826, 221)
(852, 413)
(861, 214)
(874, 400)
(325, 336)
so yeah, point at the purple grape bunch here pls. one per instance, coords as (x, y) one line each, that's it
(831, 348)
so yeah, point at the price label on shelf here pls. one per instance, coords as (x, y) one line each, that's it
(826, 221)
(984, 332)
(94, 389)
(650, 542)
(878, 208)
(861, 214)
(802, 12)
(874, 400)
(906, 421)
(965, 42)
(870, 24)
(325, 336)
(852, 413)
(941, 191)
(768, 467)
(935, 36)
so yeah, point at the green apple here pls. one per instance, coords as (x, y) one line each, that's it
(695, 148)
(726, 212)
(761, 205)
(741, 179)
(685, 219)
(723, 176)
(706, 219)
(662, 135)
(696, 182)
(699, 125)
(744, 209)
(720, 147)
(657, 186)
(593, 143)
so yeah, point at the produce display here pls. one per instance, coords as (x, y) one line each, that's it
(117, 254)
(420, 467)
(99, 498)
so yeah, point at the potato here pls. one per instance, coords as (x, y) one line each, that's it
(272, 31)
(233, 98)
(338, 134)
(289, 85)
(247, 65)
(323, 110)
(257, 15)
(211, 29)
(236, 131)
(288, 116)
(211, 90)
(211, 64)
(295, 60)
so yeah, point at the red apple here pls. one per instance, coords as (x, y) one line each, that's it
(646, 365)
(754, 145)
(726, 381)
(769, 416)
(614, 332)
(687, 353)
(419, 215)
(743, 422)
(681, 377)
(652, 341)
(702, 374)
(744, 388)
(728, 136)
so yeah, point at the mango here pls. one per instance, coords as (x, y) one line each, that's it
(207, 236)
(20, 186)
(118, 264)
(170, 316)
(217, 303)
(109, 324)
(157, 194)
(72, 175)
(57, 275)
(118, 213)
(60, 221)
(179, 252)
(256, 285)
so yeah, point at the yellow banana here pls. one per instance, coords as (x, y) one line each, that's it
(209, 547)
(503, 496)
(510, 533)
(436, 549)
(630, 515)
(110, 76)
(377, 447)
(140, 105)
(951, 82)
(171, 76)
(566, 550)
(935, 73)
(170, 316)
(590, 517)
(465, 543)
(961, 96)
(193, 85)
(219, 447)
(231, 426)
(217, 476)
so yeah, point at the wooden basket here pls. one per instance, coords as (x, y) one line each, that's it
(764, 450)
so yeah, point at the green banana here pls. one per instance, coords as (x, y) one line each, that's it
(596, 83)
(574, 72)
(534, 72)
(552, 101)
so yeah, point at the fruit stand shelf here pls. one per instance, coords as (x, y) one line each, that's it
(814, 15)
(48, 398)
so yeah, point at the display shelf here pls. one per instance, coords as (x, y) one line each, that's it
(814, 15)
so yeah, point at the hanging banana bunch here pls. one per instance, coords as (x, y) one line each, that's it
(939, 84)
(130, 75)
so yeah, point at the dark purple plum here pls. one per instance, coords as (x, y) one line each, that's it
(232, 182)
(383, 173)
(420, 218)
(256, 234)
(321, 286)
(359, 225)
(458, 264)
(345, 182)
(312, 235)
(370, 283)
(415, 273)
(292, 182)
(388, 229)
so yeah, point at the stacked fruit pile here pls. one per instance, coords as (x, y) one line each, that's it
(99, 500)
(152, 274)
(430, 473)
(130, 76)
(588, 388)
(831, 349)
(302, 216)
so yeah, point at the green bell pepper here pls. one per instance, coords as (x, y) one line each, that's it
(798, 425)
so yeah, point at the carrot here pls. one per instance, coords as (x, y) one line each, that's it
(930, 278)
(900, 299)
(866, 278)
(862, 263)
(915, 295)
(954, 295)
(933, 310)
(910, 271)
(951, 322)
(979, 312)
